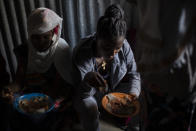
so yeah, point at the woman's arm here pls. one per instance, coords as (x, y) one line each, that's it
(132, 74)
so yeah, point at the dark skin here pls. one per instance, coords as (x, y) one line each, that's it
(105, 51)
(42, 42)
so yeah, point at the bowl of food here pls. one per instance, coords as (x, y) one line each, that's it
(34, 104)
(120, 104)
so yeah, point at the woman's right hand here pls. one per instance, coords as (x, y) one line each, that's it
(94, 79)
(8, 92)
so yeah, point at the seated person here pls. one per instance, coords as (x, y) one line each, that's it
(44, 62)
(4, 76)
(45, 59)
(4, 110)
(104, 59)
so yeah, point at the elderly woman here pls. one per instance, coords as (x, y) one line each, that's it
(103, 60)
(45, 58)
(4, 76)
(44, 62)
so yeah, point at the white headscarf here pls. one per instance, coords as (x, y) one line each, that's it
(40, 21)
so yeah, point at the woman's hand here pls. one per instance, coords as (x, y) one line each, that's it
(133, 97)
(94, 79)
(8, 92)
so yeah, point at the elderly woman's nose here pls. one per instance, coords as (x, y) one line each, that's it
(40, 38)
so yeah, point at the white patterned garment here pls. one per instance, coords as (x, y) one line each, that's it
(40, 21)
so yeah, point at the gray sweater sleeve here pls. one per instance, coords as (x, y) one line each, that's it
(133, 76)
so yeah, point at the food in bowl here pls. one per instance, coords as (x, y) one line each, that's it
(34, 104)
(120, 104)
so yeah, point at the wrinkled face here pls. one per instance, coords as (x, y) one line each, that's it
(42, 42)
(107, 49)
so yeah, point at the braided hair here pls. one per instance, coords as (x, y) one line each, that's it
(114, 11)
(112, 25)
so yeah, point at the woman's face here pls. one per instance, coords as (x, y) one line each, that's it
(107, 49)
(42, 42)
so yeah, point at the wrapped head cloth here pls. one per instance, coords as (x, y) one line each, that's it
(40, 21)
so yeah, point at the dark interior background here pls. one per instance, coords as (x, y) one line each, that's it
(79, 19)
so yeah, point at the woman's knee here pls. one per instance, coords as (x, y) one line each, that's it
(87, 107)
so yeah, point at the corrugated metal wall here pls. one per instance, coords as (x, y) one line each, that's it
(79, 19)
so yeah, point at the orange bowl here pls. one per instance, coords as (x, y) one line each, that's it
(136, 104)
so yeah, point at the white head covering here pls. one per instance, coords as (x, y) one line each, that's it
(40, 21)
